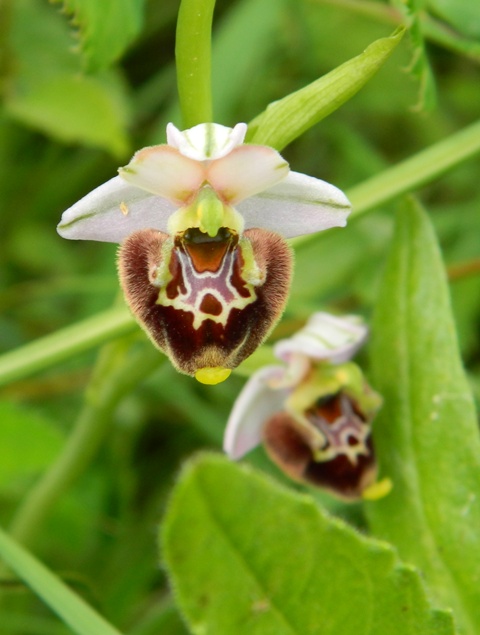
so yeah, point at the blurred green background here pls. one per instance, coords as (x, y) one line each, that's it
(74, 108)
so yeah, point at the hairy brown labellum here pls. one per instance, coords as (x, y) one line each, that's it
(344, 464)
(206, 301)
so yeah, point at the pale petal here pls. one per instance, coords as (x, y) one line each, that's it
(207, 141)
(325, 337)
(162, 170)
(255, 404)
(246, 171)
(113, 211)
(299, 366)
(297, 205)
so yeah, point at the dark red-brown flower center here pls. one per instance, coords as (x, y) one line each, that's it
(206, 301)
(345, 464)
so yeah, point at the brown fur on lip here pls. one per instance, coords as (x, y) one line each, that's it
(288, 444)
(212, 344)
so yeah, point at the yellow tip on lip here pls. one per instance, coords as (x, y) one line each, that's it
(212, 376)
(377, 490)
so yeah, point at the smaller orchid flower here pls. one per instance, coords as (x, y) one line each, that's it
(202, 220)
(314, 414)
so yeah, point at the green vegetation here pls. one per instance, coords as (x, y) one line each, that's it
(109, 523)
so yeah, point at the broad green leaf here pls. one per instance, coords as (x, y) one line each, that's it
(28, 442)
(427, 432)
(247, 556)
(106, 28)
(74, 109)
(47, 89)
(462, 246)
(286, 119)
(72, 609)
(463, 15)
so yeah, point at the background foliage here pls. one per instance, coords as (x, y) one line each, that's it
(84, 84)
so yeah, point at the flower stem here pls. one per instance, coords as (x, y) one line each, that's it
(410, 174)
(417, 170)
(461, 270)
(193, 52)
(63, 344)
(119, 368)
(71, 608)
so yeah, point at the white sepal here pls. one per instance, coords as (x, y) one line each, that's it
(252, 408)
(298, 205)
(325, 337)
(113, 211)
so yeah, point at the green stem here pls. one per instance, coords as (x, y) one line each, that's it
(411, 174)
(72, 609)
(193, 56)
(118, 369)
(65, 343)
(419, 169)
(462, 270)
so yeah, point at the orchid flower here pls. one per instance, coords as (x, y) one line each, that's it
(202, 222)
(313, 414)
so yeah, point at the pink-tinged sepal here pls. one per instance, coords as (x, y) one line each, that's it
(207, 302)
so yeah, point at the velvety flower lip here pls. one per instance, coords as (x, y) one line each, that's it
(324, 338)
(254, 181)
(313, 415)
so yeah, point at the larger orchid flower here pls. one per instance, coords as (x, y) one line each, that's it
(314, 414)
(202, 221)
